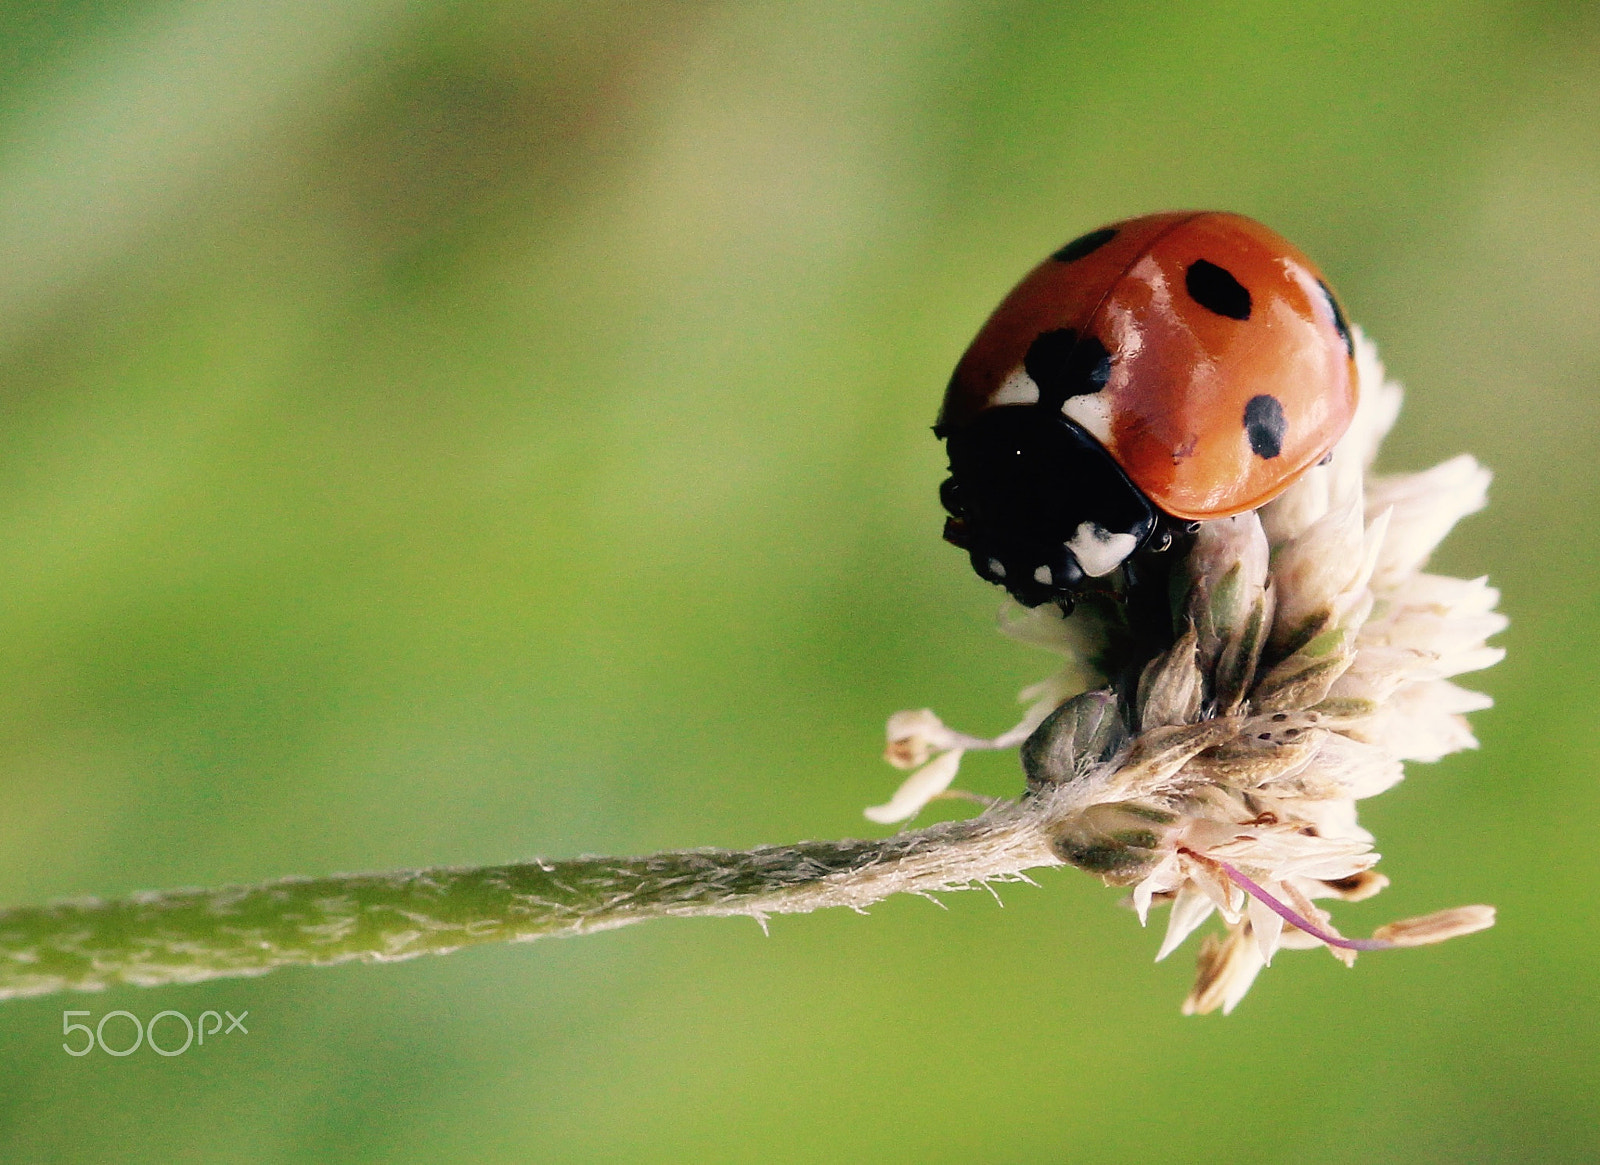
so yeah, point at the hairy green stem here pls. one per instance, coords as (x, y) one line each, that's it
(185, 936)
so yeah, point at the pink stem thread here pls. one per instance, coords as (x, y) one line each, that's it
(1289, 914)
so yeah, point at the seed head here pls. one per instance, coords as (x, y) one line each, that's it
(1219, 773)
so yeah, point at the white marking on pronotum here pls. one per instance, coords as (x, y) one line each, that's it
(1098, 550)
(1016, 389)
(1042, 575)
(997, 568)
(1093, 412)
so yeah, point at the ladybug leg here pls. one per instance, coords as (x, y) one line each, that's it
(1062, 569)
(1169, 532)
(950, 497)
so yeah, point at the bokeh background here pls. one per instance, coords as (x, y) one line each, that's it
(452, 432)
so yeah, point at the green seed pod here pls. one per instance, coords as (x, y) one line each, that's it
(1083, 732)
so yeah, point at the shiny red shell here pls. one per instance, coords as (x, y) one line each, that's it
(1182, 405)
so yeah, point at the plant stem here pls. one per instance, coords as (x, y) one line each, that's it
(186, 936)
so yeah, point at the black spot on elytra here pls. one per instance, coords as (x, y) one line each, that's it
(1089, 368)
(1339, 322)
(1084, 245)
(1063, 366)
(1265, 424)
(1047, 358)
(1217, 290)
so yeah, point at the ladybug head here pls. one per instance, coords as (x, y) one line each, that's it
(1039, 505)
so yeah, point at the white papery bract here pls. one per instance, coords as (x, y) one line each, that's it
(1221, 775)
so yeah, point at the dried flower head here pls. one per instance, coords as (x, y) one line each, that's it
(1218, 771)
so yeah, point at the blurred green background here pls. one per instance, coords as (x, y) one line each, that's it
(452, 432)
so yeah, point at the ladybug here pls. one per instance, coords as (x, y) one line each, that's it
(1148, 376)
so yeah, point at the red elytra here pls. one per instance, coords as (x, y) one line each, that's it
(1227, 366)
